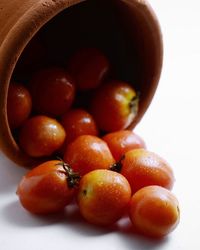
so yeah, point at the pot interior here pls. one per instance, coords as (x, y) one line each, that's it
(87, 24)
(118, 28)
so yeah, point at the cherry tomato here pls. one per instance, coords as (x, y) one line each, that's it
(103, 196)
(47, 188)
(19, 104)
(114, 106)
(87, 153)
(143, 168)
(41, 136)
(154, 211)
(52, 91)
(89, 67)
(78, 122)
(122, 141)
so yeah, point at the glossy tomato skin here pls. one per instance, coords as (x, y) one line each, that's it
(19, 104)
(41, 136)
(89, 67)
(103, 196)
(44, 189)
(53, 91)
(142, 168)
(122, 141)
(114, 106)
(87, 153)
(154, 211)
(78, 122)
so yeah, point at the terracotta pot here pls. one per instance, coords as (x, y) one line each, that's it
(127, 30)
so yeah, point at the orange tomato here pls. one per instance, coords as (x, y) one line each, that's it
(78, 122)
(19, 104)
(41, 136)
(103, 196)
(114, 106)
(47, 188)
(87, 153)
(154, 211)
(122, 141)
(143, 168)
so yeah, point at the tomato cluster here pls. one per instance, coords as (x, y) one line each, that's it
(82, 98)
(82, 114)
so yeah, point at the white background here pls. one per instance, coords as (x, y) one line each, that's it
(170, 127)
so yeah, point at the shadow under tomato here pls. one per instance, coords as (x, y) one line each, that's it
(142, 242)
(123, 229)
(15, 214)
(124, 225)
(71, 218)
(77, 223)
(131, 237)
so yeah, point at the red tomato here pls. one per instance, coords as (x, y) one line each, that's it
(123, 141)
(114, 106)
(89, 67)
(41, 136)
(154, 211)
(48, 188)
(87, 153)
(103, 196)
(78, 122)
(52, 91)
(19, 104)
(143, 168)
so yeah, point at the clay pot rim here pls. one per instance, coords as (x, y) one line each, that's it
(21, 34)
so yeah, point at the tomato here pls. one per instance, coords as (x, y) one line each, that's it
(78, 122)
(19, 104)
(122, 141)
(114, 106)
(103, 196)
(52, 91)
(47, 188)
(143, 168)
(154, 211)
(87, 153)
(89, 67)
(41, 136)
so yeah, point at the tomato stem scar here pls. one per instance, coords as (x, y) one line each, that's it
(73, 178)
(117, 166)
(134, 103)
(84, 191)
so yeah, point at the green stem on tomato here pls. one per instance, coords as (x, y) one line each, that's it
(117, 166)
(73, 178)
